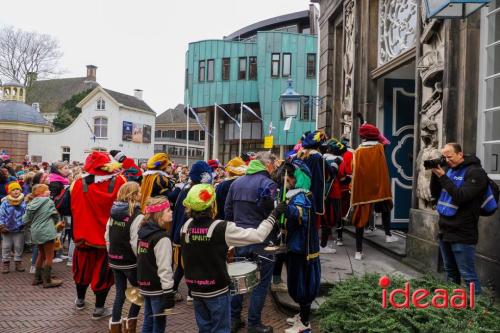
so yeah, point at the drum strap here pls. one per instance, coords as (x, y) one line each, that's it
(185, 229)
(212, 227)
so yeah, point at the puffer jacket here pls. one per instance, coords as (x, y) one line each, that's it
(41, 215)
(11, 214)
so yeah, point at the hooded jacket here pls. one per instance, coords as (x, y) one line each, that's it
(41, 215)
(11, 214)
(462, 227)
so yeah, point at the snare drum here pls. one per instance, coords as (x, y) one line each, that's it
(244, 276)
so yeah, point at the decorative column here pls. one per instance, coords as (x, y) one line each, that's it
(348, 68)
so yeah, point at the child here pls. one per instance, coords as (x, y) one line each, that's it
(204, 250)
(121, 243)
(154, 264)
(302, 262)
(12, 226)
(42, 217)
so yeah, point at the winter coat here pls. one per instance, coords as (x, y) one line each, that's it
(463, 226)
(11, 216)
(41, 215)
(221, 191)
(179, 216)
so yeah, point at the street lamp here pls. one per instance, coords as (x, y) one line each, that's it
(446, 9)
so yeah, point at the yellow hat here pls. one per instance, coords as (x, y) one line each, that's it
(14, 186)
(159, 161)
(236, 167)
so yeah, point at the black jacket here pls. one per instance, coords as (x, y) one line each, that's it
(462, 227)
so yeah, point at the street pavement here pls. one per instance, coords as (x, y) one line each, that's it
(25, 308)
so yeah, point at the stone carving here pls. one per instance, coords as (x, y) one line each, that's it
(430, 66)
(348, 66)
(397, 28)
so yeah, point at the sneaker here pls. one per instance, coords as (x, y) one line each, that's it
(56, 260)
(358, 256)
(298, 327)
(279, 287)
(101, 313)
(63, 257)
(32, 270)
(189, 299)
(291, 321)
(370, 232)
(391, 239)
(80, 304)
(69, 263)
(178, 297)
(327, 250)
(339, 242)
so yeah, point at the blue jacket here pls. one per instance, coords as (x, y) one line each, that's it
(12, 216)
(250, 199)
(316, 165)
(221, 191)
(179, 215)
(300, 225)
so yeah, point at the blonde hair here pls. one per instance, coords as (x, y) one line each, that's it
(128, 193)
(156, 217)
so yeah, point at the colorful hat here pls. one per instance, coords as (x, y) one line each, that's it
(236, 167)
(200, 197)
(201, 172)
(158, 161)
(370, 132)
(98, 163)
(214, 164)
(335, 146)
(313, 139)
(13, 186)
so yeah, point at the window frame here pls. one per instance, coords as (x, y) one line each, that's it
(308, 73)
(254, 65)
(201, 78)
(283, 65)
(226, 69)
(100, 104)
(210, 61)
(100, 136)
(278, 61)
(239, 68)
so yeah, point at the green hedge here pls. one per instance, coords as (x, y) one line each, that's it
(354, 305)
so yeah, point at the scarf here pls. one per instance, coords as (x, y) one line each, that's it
(255, 166)
(15, 201)
(54, 177)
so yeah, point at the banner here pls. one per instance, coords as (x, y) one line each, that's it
(127, 131)
(228, 115)
(135, 132)
(268, 142)
(146, 134)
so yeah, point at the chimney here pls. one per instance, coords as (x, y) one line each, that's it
(138, 94)
(31, 78)
(91, 72)
(36, 106)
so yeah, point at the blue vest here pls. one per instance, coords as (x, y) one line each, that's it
(445, 204)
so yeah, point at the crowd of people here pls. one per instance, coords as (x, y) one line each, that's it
(149, 227)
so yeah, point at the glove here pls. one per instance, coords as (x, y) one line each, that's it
(118, 155)
(168, 301)
(280, 209)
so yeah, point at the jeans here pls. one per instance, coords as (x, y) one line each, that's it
(10, 239)
(121, 277)
(34, 255)
(459, 262)
(213, 315)
(153, 305)
(258, 296)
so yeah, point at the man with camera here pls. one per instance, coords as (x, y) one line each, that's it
(461, 191)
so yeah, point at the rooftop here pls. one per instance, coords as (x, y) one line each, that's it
(15, 111)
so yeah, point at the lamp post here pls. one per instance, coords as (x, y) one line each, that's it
(290, 103)
(446, 9)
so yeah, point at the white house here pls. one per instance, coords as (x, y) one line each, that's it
(109, 120)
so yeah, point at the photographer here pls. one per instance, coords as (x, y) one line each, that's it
(461, 191)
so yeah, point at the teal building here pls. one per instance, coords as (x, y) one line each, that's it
(252, 67)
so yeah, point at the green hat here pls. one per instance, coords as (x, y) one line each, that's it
(200, 197)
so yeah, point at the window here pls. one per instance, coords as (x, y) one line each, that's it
(226, 66)
(66, 153)
(305, 111)
(101, 127)
(250, 131)
(275, 65)
(242, 69)
(252, 68)
(311, 65)
(201, 71)
(287, 65)
(210, 70)
(489, 118)
(101, 104)
(202, 135)
(157, 134)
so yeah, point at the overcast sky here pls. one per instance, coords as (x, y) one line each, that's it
(138, 44)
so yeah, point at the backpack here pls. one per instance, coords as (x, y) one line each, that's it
(490, 203)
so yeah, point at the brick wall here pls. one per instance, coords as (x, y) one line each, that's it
(15, 142)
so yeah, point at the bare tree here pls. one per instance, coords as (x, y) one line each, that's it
(23, 52)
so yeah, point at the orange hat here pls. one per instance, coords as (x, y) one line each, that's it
(13, 186)
(39, 189)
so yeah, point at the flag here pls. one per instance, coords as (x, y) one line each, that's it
(198, 120)
(227, 114)
(251, 111)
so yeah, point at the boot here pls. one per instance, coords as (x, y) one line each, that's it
(115, 327)
(19, 266)
(6, 267)
(130, 325)
(48, 281)
(38, 277)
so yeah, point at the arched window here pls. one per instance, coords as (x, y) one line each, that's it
(101, 127)
(101, 104)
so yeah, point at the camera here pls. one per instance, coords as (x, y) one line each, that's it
(434, 163)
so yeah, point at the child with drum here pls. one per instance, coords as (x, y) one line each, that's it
(205, 244)
(302, 242)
